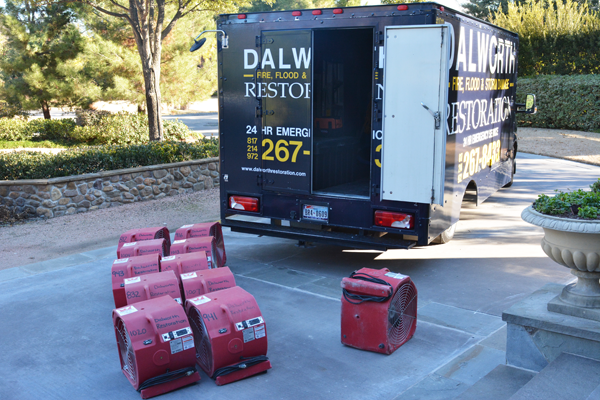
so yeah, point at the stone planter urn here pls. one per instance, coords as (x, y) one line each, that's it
(575, 244)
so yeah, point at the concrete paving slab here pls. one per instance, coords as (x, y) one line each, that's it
(458, 318)
(12, 273)
(434, 387)
(64, 345)
(500, 384)
(284, 276)
(496, 340)
(56, 264)
(567, 377)
(473, 364)
(106, 252)
(329, 287)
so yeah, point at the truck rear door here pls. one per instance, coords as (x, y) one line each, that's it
(414, 140)
(285, 79)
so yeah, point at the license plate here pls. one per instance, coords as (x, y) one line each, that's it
(315, 213)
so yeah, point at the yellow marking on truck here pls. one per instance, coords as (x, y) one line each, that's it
(248, 75)
(306, 152)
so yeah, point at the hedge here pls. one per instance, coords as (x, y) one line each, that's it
(100, 129)
(564, 102)
(85, 160)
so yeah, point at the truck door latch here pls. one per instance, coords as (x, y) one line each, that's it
(436, 116)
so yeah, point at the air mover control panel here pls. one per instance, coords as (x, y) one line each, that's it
(249, 323)
(176, 334)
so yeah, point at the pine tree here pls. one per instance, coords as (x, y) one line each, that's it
(41, 40)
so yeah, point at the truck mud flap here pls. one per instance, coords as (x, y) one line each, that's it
(356, 241)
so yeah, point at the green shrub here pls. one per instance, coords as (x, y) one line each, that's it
(99, 129)
(85, 160)
(555, 36)
(578, 203)
(564, 102)
(90, 117)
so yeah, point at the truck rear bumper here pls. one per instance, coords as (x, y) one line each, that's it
(359, 240)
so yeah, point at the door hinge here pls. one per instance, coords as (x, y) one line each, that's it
(432, 195)
(257, 41)
(258, 112)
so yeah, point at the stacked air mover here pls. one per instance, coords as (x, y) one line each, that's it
(159, 345)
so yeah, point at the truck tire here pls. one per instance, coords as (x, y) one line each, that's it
(446, 236)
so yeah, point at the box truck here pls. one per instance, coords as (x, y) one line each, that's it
(363, 126)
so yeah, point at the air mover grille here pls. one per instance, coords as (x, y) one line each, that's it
(402, 314)
(204, 354)
(127, 354)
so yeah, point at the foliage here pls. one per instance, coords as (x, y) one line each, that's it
(28, 144)
(484, 8)
(579, 203)
(284, 5)
(555, 36)
(37, 129)
(41, 43)
(121, 128)
(85, 160)
(564, 102)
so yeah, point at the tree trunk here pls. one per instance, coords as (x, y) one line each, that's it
(45, 109)
(153, 103)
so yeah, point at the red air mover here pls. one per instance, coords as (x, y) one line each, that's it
(150, 286)
(230, 335)
(206, 229)
(127, 268)
(379, 310)
(184, 263)
(202, 282)
(156, 346)
(206, 243)
(138, 235)
(134, 249)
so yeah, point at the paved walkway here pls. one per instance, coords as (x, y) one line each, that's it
(59, 341)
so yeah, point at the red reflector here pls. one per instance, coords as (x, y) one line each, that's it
(241, 16)
(402, 7)
(394, 220)
(296, 13)
(441, 8)
(317, 12)
(338, 11)
(243, 203)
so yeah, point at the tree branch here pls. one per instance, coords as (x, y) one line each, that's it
(112, 14)
(119, 5)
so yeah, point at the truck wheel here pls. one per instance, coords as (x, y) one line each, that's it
(446, 236)
(512, 175)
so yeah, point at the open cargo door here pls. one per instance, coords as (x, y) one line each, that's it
(414, 137)
(286, 84)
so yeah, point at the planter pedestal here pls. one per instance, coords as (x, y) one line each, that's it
(574, 244)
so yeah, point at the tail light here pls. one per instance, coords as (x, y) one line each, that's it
(156, 346)
(206, 243)
(402, 7)
(199, 283)
(205, 229)
(138, 235)
(134, 249)
(338, 10)
(317, 12)
(128, 268)
(379, 310)
(397, 220)
(230, 334)
(242, 203)
(151, 286)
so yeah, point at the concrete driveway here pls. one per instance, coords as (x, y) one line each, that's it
(58, 340)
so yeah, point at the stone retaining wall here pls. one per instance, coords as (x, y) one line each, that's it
(80, 193)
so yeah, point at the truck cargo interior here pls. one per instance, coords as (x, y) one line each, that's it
(342, 98)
